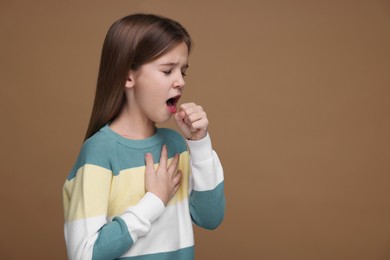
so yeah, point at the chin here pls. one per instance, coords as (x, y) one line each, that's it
(162, 120)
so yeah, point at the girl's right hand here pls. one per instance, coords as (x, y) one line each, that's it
(165, 181)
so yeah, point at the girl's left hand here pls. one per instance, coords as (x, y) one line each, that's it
(192, 121)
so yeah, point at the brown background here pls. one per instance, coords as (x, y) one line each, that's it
(297, 93)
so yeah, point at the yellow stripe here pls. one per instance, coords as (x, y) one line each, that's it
(95, 191)
(86, 195)
(182, 193)
(129, 187)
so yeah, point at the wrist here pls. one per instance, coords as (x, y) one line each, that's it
(164, 199)
(197, 136)
(150, 207)
(200, 150)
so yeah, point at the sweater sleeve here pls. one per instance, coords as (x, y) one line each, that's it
(89, 233)
(207, 199)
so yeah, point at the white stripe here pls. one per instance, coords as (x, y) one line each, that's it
(170, 232)
(207, 174)
(80, 236)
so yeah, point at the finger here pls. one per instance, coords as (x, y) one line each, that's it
(193, 110)
(176, 188)
(184, 128)
(196, 117)
(193, 114)
(200, 124)
(177, 179)
(174, 164)
(163, 157)
(179, 118)
(174, 161)
(185, 106)
(149, 161)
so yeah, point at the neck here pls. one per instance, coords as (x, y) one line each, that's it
(132, 126)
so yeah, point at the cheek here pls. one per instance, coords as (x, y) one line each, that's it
(153, 88)
(150, 96)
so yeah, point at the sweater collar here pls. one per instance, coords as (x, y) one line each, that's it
(142, 143)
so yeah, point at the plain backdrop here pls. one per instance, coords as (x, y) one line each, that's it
(297, 93)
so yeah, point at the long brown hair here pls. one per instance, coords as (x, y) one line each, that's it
(130, 42)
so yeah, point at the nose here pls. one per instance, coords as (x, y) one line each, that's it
(179, 81)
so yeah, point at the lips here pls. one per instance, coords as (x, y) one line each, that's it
(171, 103)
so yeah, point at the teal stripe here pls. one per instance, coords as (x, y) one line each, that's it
(114, 240)
(115, 153)
(182, 254)
(97, 150)
(208, 207)
(130, 158)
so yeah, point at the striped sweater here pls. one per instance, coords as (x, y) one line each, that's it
(108, 214)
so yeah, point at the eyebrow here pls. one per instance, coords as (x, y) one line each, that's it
(174, 64)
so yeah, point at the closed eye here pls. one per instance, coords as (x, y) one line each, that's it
(167, 72)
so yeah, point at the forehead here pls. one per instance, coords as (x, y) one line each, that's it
(177, 55)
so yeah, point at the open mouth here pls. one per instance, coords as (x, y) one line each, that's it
(171, 103)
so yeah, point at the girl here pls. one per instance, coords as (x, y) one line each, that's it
(134, 190)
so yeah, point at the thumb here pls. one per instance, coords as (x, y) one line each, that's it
(179, 119)
(183, 127)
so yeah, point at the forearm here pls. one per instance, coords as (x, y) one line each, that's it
(95, 238)
(207, 199)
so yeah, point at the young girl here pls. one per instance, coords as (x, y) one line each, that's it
(135, 189)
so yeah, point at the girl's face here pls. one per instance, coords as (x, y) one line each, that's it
(155, 88)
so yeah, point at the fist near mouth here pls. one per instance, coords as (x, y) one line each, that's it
(192, 121)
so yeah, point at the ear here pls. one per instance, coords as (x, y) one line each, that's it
(130, 79)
